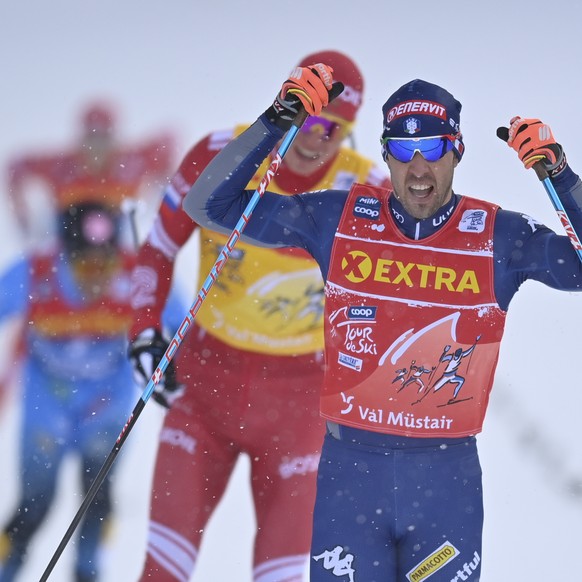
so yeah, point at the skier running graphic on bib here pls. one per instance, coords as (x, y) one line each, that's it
(450, 375)
(416, 376)
(401, 376)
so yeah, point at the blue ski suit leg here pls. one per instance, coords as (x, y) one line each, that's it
(392, 509)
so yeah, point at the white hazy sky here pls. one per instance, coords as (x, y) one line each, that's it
(196, 66)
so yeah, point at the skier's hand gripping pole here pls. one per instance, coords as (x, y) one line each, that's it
(296, 119)
(308, 89)
(536, 147)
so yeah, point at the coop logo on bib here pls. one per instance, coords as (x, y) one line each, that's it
(367, 207)
(362, 313)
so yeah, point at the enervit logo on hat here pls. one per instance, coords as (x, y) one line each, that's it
(421, 107)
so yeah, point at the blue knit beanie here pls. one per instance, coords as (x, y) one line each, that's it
(421, 109)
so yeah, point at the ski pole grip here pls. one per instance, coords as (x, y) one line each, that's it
(540, 171)
(539, 168)
(336, 90)
(300, 118)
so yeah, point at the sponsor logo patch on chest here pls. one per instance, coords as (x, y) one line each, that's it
(473, 221)
(367, 207)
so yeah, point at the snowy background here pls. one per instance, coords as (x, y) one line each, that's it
(194, 66)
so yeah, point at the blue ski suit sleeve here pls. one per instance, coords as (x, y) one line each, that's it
(218, 199)
(14, 289)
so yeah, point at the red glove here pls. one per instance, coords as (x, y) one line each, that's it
(534, 142)
(306, 86)
(311, 84)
